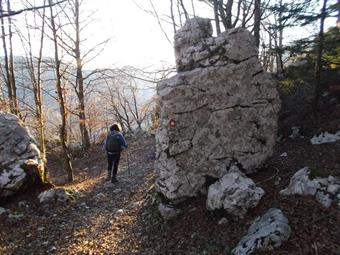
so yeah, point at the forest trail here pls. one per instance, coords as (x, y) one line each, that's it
(123, 218)
(104, 221)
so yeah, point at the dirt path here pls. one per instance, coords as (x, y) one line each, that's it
(123, 219)
(101, 222)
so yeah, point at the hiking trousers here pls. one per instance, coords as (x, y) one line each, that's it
(112, 164)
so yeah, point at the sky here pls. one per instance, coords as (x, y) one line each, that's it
(135, 37)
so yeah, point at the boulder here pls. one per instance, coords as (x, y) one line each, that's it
(235, 193)
(219, 110)
(266, 233)
(324, 189)
(21, 164)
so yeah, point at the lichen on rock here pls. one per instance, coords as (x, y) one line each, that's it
(219, 110)
(21, 164)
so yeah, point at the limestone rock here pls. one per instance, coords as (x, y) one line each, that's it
(2, 210)
(235, 193)
(168, 212)
(20, 162)
(324, 189)
(325, 137)
(59, 194)
(266, 233)
(219, 110)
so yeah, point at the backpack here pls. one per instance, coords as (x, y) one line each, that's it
(113, 143)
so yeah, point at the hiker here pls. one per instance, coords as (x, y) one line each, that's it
(114, 144)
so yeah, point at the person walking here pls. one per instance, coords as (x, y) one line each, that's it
(114, 144)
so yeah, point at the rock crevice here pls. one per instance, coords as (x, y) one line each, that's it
(219, 110)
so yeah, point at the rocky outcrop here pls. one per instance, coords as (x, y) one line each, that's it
(266, 233)
(20, 162)
(219, 110)
(325, 190)
(235, 193)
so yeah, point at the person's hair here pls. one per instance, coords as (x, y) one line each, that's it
(115, 127)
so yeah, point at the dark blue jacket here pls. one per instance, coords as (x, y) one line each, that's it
(120, 138)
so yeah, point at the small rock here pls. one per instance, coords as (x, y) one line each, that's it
(2, 210)
(235, 193)
(277, 181)
(333, 188)
(325, 137)
(116, 191)
(168, 212)
(322, 188)
(22, 204)
(223, 221)
(120, 211)
(284, 155)
(295, 133)
(267, 232)
(16, 216)
(40, 229)
(323, 198)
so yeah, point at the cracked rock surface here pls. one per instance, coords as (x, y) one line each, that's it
(325, 190)
(20, 161)
(235, 193)
(219, 110)
(267, 232)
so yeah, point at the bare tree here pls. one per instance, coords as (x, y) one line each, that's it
(61, 99)
(33, 65)
(8, 59)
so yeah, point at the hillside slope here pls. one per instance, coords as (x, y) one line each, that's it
(123, 219)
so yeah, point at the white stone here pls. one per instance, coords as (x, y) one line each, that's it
(223, 221)
(333, 189)
(322, 188)
(235, 193)
(219, 110)
(18, 152)
(284, 155)
(55, 194)
(47, 196)
(266, 233)
(301, 184)
(12, 180)
(325, 137)
(2, 210)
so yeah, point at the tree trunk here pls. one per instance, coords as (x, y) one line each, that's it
(80, 83)
(11, 64)
(229, 8)
(279, 49)
(62, 104)
(40, 115)
(217, 19)
(7, 73)
(257, 22)
(318, 64)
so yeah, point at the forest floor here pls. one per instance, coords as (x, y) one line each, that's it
(123, 218)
